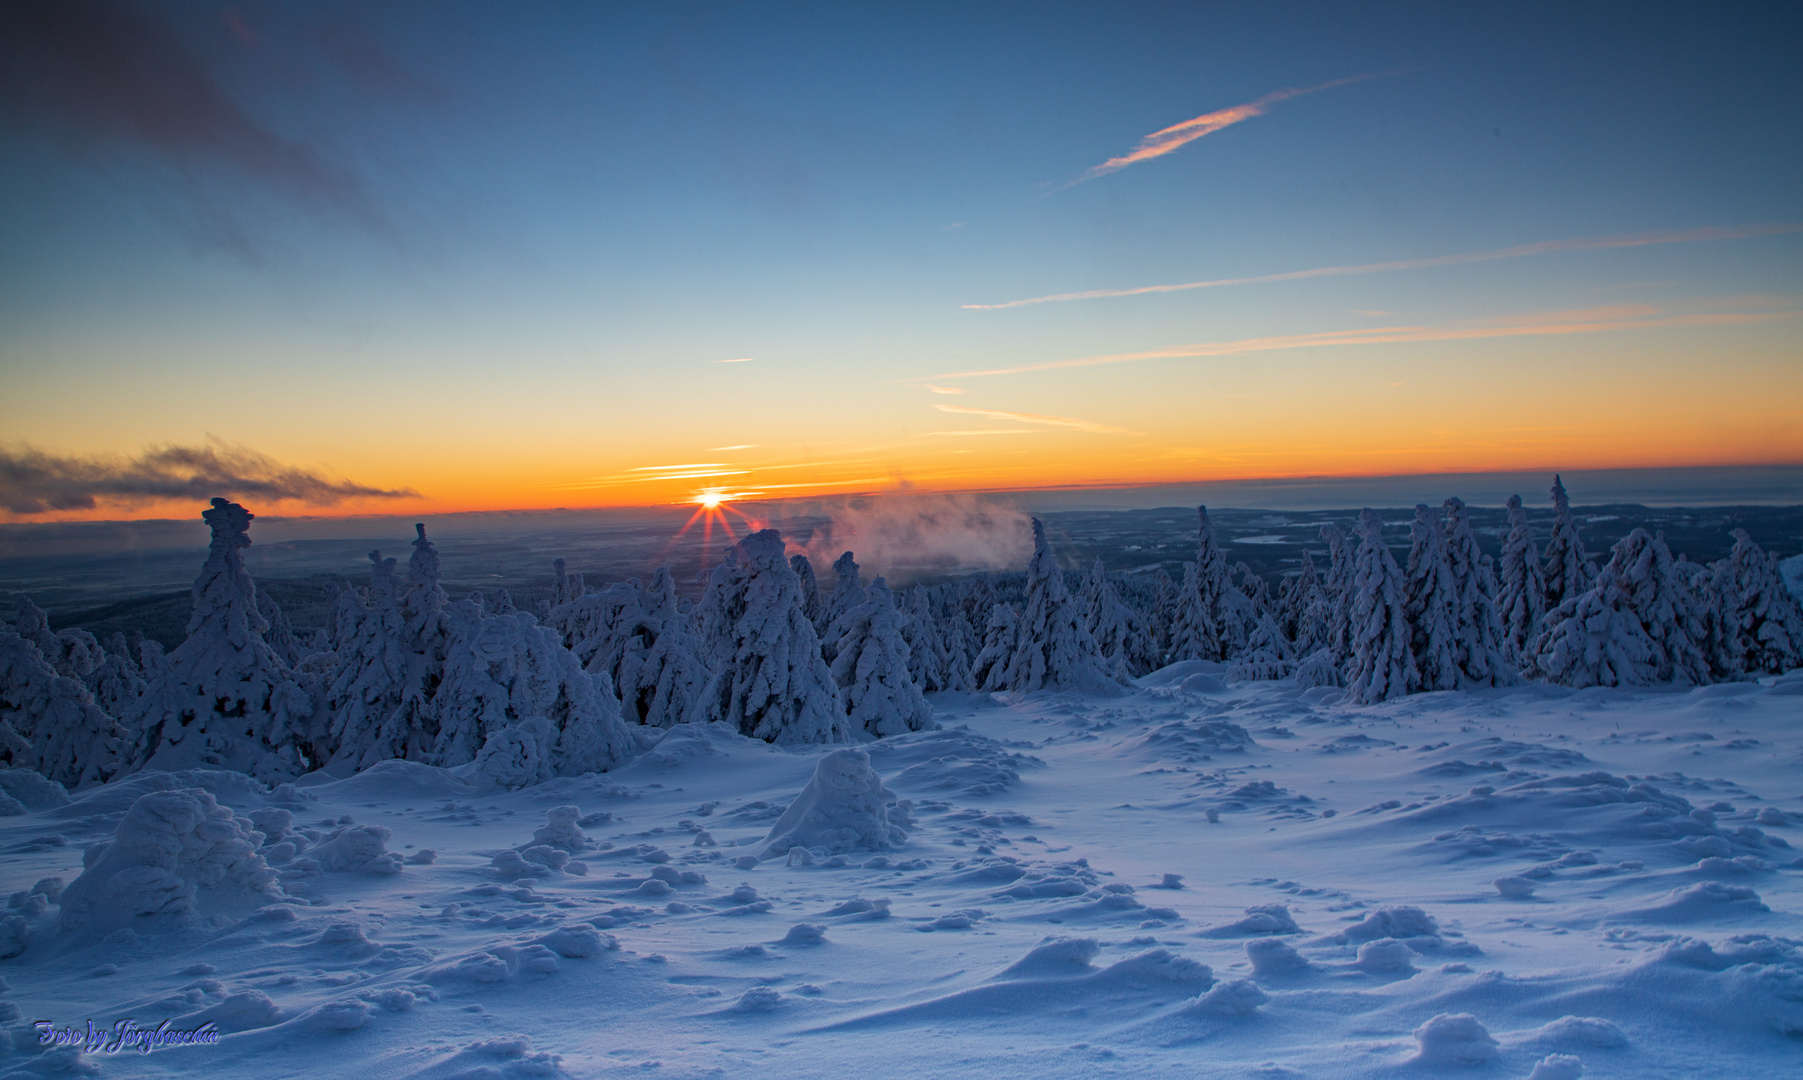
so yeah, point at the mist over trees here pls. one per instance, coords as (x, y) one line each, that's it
(588, 680)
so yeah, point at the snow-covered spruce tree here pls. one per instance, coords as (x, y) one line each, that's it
(597, 625)
(1268, 654)
(117, 684)
(1255, 589)
(1482, 655)
(659, 682)
(280, 635)
(1121, 633)
(926, 648)
(1052, 647)
(961, 643)
(509, 683)
(1568, 570)
(990, 668)
(70, 651)
(848, 593)
(1164, 613)
(230, 703)
(1382, 665)
(1199, 630)
(813, 605)
(769, 679)
(374, 674)
(870, 666)
(1758, 628)
(1430, 599)
(49, 723)
(1522, 600)
(1637, 624)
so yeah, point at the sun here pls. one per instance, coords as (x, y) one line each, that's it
(711, 499)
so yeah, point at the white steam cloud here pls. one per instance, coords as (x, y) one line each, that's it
(904, 536)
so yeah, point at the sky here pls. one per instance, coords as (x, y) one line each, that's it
(352, 258)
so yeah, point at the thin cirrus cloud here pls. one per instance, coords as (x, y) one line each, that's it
(1588, 243)
(1071, 422)
(1589, 321)
(1162, 142)
(33, 481)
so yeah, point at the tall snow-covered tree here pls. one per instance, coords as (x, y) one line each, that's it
(1638, 623)
(769, 680)
(49, 723)
(1522, 600)
(1203, 625)
(71, 651)
(1382, 665)
(232, 703)
(1121, 633)
(871, 667)
(1052, 648)
(961, 642)
(660, 677)
(375, 674)
(1268, 654)
(989, 670)
(848, 593)
(1758, 628)
(280, 635)
(1430, 599)
(919, 626)
(1339, 588)
(505, 676)
(1568, 570)
(813, 605)
(1482, 656)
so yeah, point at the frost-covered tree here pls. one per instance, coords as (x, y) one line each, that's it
(232, 703)
(508, 683)
(1568, 570)
(1757, 627)
(1268, 654)
(1254, 588)
(662, 676)
(49, 723)
(990, 668)
(71, 651)
(961, 643)
(1301, 607)
(116, 684)
(1522, 600)
(1200, 630)
(871, 667)
(280, 635)
(1482, 656)
(1052, 648)
(1164, 612)
(375, 673)
(1430, 599)
(769, 681)
(926, 647)
(1382, 665)
(1121, 633)
(848, 593)
(1637, 624)
(813, 605)
(1339, 588)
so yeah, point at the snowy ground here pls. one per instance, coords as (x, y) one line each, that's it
(1646, 923)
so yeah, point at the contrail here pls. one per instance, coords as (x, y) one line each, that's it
(1589, 243)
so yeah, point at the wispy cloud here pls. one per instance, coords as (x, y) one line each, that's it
(975, 432)
(1580, 322)
(1071, 422)
(35, 482)
(945, 389)
(736, 360)
(1589, 243)
(1160, 143)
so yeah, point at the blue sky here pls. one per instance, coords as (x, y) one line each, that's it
(496, 254)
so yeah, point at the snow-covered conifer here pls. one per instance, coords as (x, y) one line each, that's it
(769, 680)
(1482, 656)
(1758, 628)
(661, 677)
(375, 673)
(1637, 624)
(1052, 648)
(926, 647)
(991, 665)
(1430, 598)
(1382, 665)
(1522, 600)
(1121, 633)
(961, 646)
(49, 723)
(503, 673)
(1568, 570)
(848, 593)
(1339, 589)
(72, 652)
(1304, 606)
(116, 684)
(813, 605)
(1268, 654)
(280, 635)
(871, 667)
(233, 704)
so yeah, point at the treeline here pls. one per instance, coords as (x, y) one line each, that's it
(406, 672)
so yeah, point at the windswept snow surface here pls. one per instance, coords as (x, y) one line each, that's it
(1200, 878)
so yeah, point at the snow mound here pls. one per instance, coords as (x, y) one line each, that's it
(359, 848)
(1557, 1067)
(175, 857)
(396, 778)
(1401, 921)
(1057, 958)
(1260, 919)
(1706, 901)
(231, 788)
(28, 791)
(1236, 997)
(952, 761)
(1272, 957)
(1454, 1039)
(844, 808)
(561, 830)
(1571, 1033)
(243, 1011)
